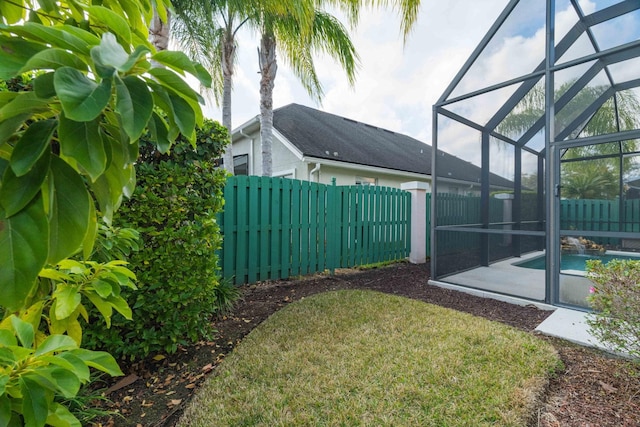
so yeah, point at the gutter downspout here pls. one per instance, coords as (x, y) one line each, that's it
(313, 171)
(251, 150)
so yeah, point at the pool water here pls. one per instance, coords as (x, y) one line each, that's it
(571, 261)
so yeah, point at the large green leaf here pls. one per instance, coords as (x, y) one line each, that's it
(23, 253)
(69, 216)
(24, 103)
(12, 12)
(174, 82)
(24, 331)
(92, 232)
(67, 300)
(32, 145)
(134, 103)
(35, 405)
(100, 360)
(121, 306)
(116, 180)
(53, 59)
(65, 382)
(79, 367)
(105, 309)
(116, 23)
(109, 56)
(5, 409)
(55, 343)
(184, 115)
(160, 133)
(178, 61)
(61, 37)
(10, 126)
(82, 99)
(59, 416)
(7, 339)
(43, 86)
(87, 37)
(14, 53)
(18, 191)
(82, 142)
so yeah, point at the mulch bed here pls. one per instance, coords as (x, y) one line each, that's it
(594, 389)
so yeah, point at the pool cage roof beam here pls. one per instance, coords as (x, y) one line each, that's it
(577, 30)
(605, 58)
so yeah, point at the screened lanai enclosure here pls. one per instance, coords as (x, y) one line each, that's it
(550, 100)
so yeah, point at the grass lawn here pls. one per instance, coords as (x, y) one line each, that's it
(351, 358)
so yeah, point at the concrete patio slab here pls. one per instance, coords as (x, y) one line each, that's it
(569, 325)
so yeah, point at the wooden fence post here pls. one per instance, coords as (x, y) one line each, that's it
(419, 228)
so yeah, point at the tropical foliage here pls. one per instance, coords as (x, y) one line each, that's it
(299, 30)
(68, 144)
(596, 175)
(616, 299)
(177, 198)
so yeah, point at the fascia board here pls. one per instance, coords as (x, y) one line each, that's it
(354, 166)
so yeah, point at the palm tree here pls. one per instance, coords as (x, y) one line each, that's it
(325, 34)
(532, 107)
(302, 35)
(207, 31)
(591, 182)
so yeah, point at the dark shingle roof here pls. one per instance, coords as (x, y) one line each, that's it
(327, 136)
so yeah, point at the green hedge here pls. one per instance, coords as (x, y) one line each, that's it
(174, 208)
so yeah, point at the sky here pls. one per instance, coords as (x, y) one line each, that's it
(396, 84)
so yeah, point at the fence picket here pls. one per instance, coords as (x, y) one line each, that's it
(277, 228)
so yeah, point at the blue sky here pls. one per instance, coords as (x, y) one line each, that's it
(397, 84)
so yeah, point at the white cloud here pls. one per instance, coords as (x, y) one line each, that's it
(398, 84)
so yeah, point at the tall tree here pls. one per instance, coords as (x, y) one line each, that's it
(597, 175)
(207, 32)
(68, 146)
(300, 34)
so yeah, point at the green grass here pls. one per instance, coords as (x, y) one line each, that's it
(352, 358)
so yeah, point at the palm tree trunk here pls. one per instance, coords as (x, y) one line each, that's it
(159, 31)
(228, 55)
(268, 69)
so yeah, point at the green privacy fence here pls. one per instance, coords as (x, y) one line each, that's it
(274, 228)
(455, 209)
(600, 215)
(575, 214)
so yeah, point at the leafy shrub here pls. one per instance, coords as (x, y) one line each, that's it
(75, 100)
(174, 208)
(616, 299)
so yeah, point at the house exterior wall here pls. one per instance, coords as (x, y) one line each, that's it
(347, 176)
(286, 163)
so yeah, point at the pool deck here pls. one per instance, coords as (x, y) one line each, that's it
(506, 281)
(569, 325)
(505, 278)
(563, 323)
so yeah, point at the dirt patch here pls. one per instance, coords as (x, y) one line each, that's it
(595, 389)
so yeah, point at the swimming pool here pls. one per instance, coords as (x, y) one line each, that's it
(571, 261)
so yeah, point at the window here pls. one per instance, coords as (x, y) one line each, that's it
(241, 164)
(361, 180)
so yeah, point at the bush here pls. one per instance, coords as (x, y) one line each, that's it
(616, 299)
(174, 208)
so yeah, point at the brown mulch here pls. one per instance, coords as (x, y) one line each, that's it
(594, 389)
